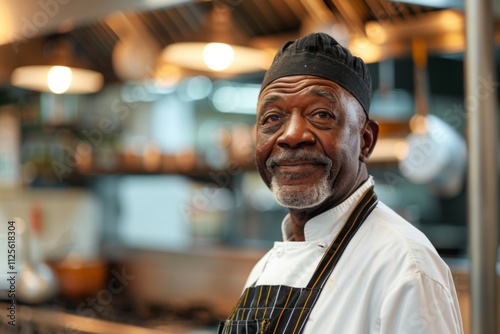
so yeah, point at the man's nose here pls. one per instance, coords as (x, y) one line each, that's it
(296, 133)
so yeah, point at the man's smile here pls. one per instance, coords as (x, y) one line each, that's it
(298, 167)
(296, 172)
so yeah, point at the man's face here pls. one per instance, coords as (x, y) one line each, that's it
(308, 139)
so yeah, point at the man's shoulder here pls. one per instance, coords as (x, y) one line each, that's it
(402, 244)
(389, 223)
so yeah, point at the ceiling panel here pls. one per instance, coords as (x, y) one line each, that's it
(169, 21)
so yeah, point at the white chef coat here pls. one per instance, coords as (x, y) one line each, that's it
(390, 279)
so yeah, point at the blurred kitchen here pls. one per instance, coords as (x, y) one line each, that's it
(133, 186)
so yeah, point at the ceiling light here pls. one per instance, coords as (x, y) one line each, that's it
(362, 47)
(195, 56)
(218, 56)
(220, 50)
(375, 32)
(59, 79)
(63, 75)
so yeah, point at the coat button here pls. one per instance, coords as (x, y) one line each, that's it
(279, 252)
(322, 246)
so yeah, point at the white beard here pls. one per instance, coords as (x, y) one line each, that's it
(292, 198)
(289, 196)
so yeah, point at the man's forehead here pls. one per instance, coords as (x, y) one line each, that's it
(301, 79)
(305, 85)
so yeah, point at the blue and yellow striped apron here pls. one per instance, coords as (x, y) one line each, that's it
(279, 309)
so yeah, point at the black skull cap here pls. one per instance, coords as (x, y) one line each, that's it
(321, 55)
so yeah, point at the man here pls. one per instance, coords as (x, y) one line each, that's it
(347, 263)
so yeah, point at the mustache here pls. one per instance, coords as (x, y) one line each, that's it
(313, 157)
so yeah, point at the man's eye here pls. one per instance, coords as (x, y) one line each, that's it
(271, 118)
(323, 114)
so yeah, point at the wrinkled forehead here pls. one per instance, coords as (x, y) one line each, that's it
(295, 84)
(308, 86)
(300, 85)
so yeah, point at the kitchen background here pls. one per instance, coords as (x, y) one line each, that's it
(150, 179)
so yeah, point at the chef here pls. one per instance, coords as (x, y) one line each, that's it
(347, 264)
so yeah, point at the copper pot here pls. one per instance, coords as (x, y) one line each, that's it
(79, 278)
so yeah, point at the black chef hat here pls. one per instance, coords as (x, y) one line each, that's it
(321, 55)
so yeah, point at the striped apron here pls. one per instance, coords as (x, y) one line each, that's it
(278, 309)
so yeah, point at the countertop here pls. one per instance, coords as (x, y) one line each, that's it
(39, 319)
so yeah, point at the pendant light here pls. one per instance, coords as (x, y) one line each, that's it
(221, 48)
(63, 73)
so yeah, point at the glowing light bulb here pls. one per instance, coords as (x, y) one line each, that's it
(59, 79)
(218, 56)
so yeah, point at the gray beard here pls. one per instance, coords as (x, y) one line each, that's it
(289, 197)
(300, 199)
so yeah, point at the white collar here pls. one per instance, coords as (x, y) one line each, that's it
(330, 221)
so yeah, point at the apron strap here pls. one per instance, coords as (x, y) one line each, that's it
(363, 208)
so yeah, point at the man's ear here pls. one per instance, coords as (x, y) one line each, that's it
(369, 136)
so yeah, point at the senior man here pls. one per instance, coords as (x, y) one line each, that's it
(347, 264)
